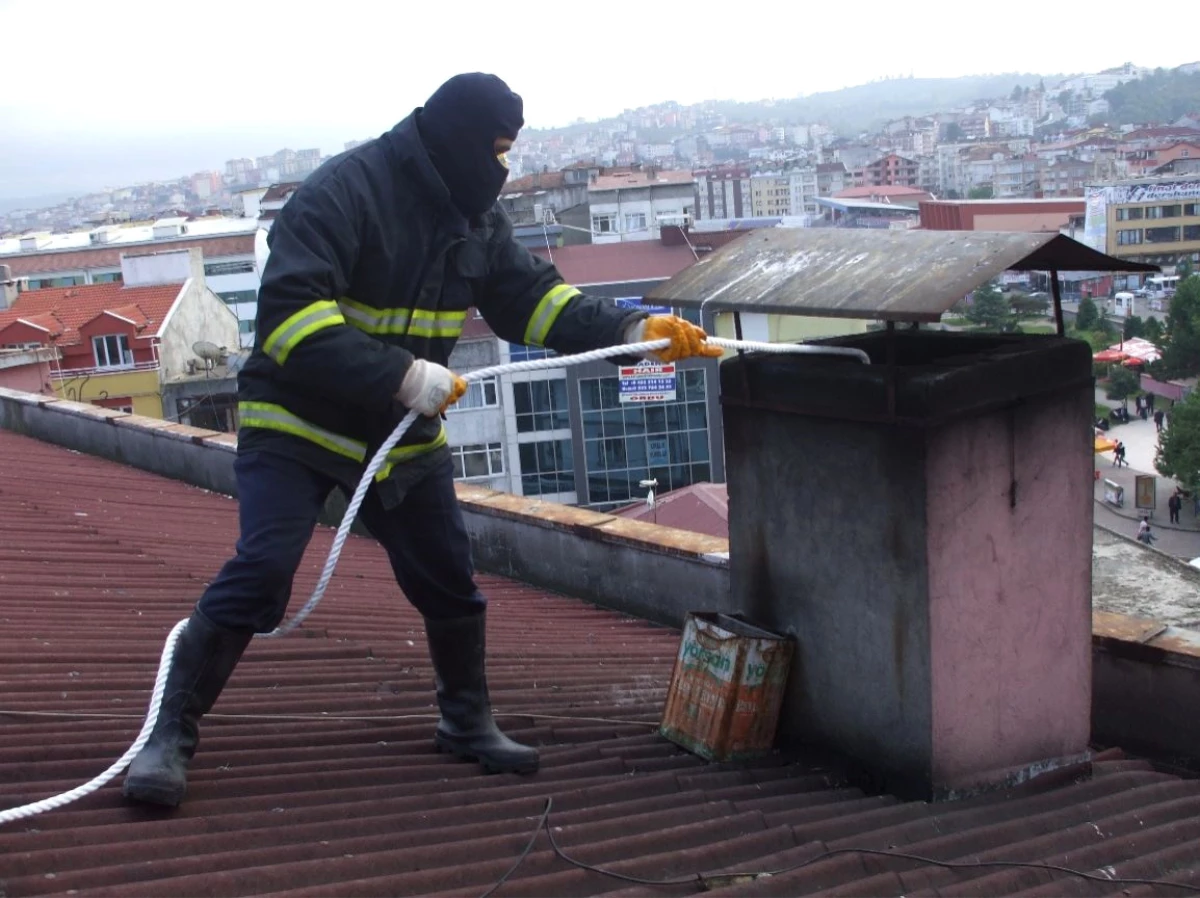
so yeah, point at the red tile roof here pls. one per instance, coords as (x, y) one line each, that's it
(537, 181)
(76, 306)
(613, 263)
(700, 508)
(316, 774)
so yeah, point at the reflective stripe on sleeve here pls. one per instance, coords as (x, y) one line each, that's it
(546, 313)
(312, 318)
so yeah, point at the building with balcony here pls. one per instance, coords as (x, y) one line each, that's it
(115, 344)
(722, 193)
(82, 258)
(634, 205)
(892, 170)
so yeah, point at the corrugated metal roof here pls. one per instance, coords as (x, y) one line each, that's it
(902, 275)
(310, 780)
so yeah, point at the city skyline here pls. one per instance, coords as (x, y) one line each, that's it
(198, 101)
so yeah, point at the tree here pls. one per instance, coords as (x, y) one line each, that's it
(1160, 97)
(1152, 331)
(1088, 316)
(1041, 85)
(1027, 306)
(1122, 384)
(1134, 327)
(1181, 345)
(1179, 446)
(989, 310)
(980, 193)
(1016, 94)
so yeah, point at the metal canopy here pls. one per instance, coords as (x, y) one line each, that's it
(909, 275)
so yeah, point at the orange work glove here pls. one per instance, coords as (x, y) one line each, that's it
(430, 388)
(687, 340)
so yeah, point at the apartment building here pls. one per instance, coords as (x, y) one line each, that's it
(83, 258)
(1154, 220)
(634, 205)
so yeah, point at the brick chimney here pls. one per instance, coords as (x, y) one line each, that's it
(933, 559)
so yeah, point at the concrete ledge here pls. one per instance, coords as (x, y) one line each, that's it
(1146, 673)
(657, 573)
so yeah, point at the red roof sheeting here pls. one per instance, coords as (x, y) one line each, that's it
(616, 263)
(146, 307)
(316, 774)
(700, 508)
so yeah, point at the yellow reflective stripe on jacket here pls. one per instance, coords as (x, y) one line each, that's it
(546, 313)
(401, 454)
(372, 320)
(437, 324)
(295, 328)
(269, 416)
(418, 322)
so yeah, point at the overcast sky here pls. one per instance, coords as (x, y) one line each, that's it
(122, 91)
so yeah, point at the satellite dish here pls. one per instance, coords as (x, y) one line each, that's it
(210, 352)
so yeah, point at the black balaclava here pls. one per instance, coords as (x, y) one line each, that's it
(459, 125)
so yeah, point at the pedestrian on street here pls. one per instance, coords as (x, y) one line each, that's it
(1119, 454)
(375, 262)
(1158, 420)
(1144, 535)
(1175, 505)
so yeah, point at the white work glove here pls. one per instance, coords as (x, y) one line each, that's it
(429, 388)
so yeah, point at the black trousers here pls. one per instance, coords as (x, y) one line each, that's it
(278, 503)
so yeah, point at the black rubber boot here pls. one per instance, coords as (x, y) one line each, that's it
(205, 656)
(467, 730)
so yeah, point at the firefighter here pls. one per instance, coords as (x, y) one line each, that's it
(374, 264)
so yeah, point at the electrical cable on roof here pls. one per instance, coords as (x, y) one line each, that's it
(718, 880)
(343, 531)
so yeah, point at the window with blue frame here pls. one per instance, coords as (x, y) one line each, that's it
(630, 442)
(519, 353)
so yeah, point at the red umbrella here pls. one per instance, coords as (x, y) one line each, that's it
(1109, 355)
(1133, 363)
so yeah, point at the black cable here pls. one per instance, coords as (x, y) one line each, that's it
(717, 880)
(542, 824)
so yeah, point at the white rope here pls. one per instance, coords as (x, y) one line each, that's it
(339, 539)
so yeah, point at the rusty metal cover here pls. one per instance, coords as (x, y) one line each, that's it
(911, 275)
(727, 688)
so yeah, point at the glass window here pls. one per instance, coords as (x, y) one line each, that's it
(519, 353)
(112, 351)
(630, 442)
(480, 394)
(232, 296)
(212, 269)
(547, 467)
(541, 405)
(1162, 235)
(477, 460)
(108, 277)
